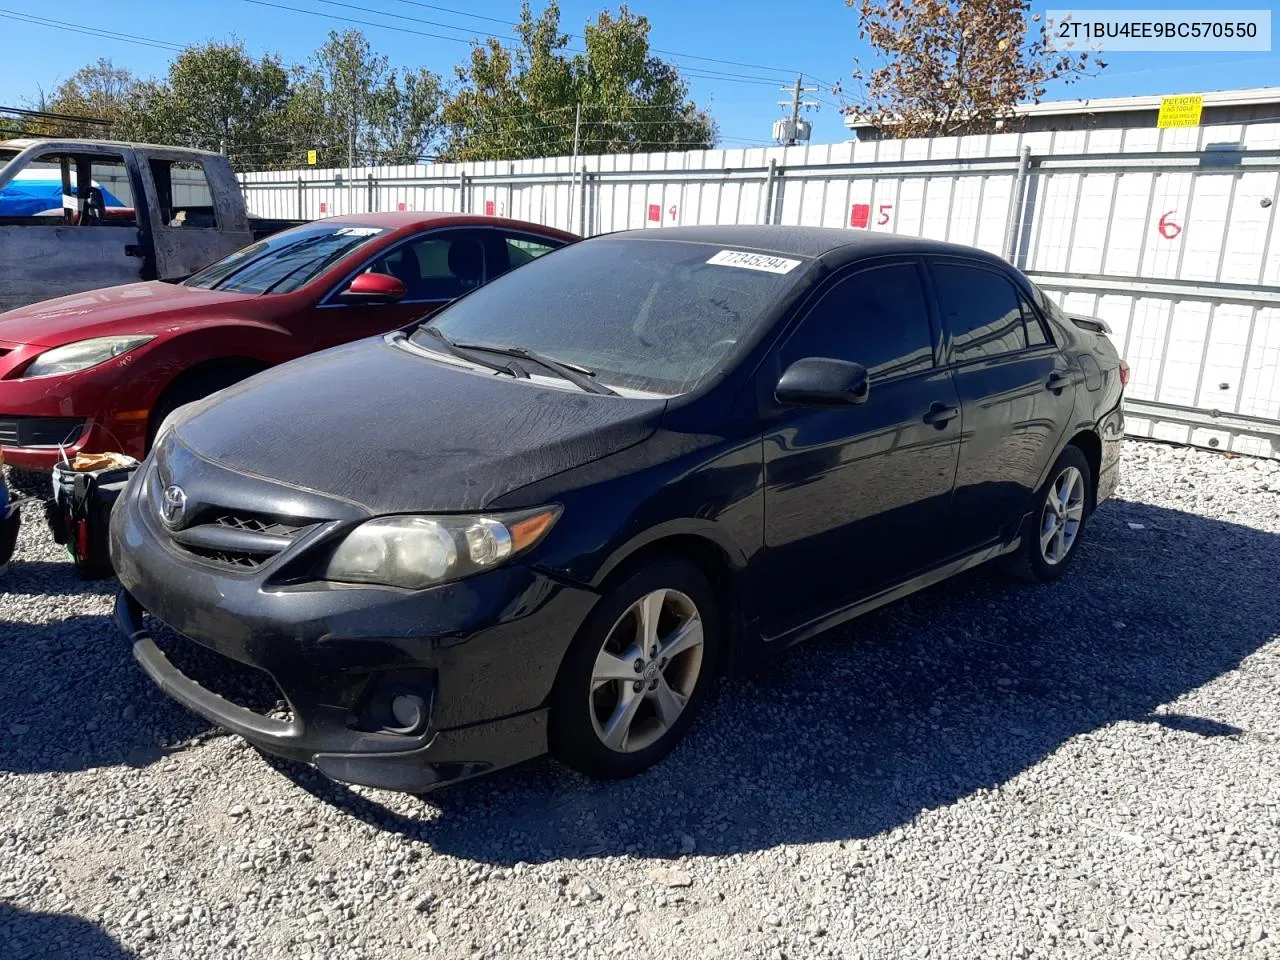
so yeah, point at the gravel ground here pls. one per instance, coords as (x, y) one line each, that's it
(984, 770)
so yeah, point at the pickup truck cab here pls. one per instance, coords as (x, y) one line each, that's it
(124, 212)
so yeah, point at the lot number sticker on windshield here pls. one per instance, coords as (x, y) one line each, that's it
(754, 261)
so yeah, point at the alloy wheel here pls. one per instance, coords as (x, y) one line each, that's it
(1062, 515)
(646, 671)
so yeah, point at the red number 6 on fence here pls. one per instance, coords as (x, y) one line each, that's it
(1168, 229)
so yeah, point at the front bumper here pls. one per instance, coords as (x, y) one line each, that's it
(83, 410)
(482, 654)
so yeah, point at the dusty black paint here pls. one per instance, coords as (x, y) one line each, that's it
(803, 509)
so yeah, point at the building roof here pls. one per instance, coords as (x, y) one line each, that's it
(1251, 96)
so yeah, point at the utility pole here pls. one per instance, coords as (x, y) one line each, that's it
(353, 120)
(795, 104)
(573, 165)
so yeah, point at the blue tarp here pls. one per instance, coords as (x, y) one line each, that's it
(30, 198)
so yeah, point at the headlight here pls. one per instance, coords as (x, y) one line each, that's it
(81, 356)
(418, 552)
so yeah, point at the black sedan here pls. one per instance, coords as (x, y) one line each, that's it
(546, 518)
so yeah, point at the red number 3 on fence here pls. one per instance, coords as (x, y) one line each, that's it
(1168, 229)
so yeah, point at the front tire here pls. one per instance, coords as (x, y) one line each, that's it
(1062, 508)
(192, 386)
(637, 672)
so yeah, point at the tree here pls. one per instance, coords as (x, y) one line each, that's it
(524, 103)
(217, 97)
(360, 105)
(98, 90)
(955, 67)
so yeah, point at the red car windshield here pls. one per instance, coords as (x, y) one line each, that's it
(286, 261)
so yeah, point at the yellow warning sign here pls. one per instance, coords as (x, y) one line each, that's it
(312, 158)
(1180, 111)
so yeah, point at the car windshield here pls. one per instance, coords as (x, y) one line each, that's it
(649, 315)
(286, 261)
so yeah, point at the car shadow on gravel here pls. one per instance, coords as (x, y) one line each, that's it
(72, 698)
(952, 691)
(40, 936)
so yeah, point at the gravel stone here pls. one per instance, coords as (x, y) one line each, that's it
(985, 769)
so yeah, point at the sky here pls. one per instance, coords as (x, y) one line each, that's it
(769, 42)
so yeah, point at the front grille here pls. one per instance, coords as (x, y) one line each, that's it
(231, 558)
(272, 528)
(39, 431)
(236, 682)
(245, 541)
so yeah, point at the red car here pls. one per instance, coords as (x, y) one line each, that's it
(100, 371)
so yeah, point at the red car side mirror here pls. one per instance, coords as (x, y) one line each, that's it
(374, 288)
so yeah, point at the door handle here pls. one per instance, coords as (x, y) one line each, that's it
(940, 414)
(1057, 382)
(133, 250)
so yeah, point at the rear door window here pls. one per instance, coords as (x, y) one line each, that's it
(520, 250)
(876, 317)
(981, 308)
(185, 198)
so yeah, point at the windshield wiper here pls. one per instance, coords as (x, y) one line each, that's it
(462, 351)
(580, 377)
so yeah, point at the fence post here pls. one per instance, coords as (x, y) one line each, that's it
(582, 204)
(462, 193)
(300, 203)
(369, 208)
(765, 214)
(1013, 229)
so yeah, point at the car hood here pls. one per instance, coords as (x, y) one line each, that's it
(391, 431)
(148, 307)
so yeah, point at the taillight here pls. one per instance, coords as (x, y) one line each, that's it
(1124, 374)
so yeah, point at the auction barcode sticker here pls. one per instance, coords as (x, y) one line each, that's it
(754, 261)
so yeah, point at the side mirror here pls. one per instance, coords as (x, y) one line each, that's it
(823, 382)
(374, 288)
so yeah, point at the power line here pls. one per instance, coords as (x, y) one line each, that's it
(90, 31)
(64, 117)
(698, 72)
(575, 36)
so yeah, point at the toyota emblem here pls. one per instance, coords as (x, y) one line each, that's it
(173, 506)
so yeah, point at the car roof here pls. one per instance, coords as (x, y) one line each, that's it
(413, 219)
(833, 245)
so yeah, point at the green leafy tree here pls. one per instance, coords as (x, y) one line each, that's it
(523, 103)
(364, 108)
(99, 90)
(955, 66)
(217, 97)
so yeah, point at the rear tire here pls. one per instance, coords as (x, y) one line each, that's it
(659, 629)
(1061, 512)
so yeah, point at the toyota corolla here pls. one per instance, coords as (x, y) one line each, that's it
(547, 517)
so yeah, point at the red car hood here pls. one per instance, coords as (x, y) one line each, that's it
(133, 308)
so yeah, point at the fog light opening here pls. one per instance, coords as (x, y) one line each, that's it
(409, 711)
